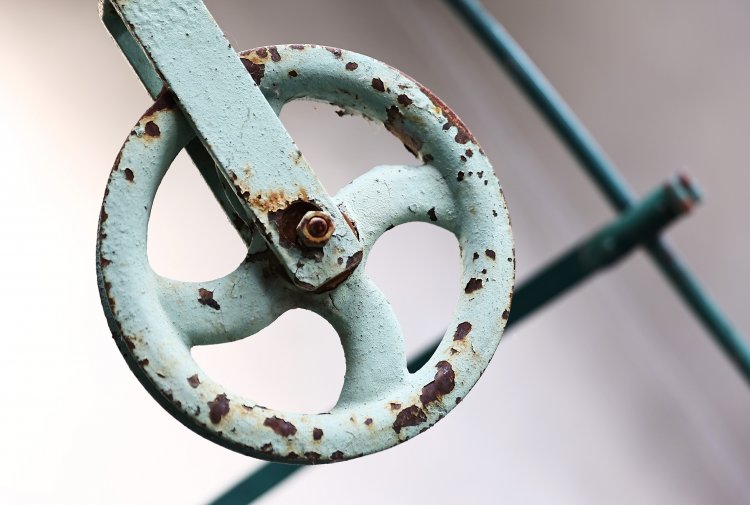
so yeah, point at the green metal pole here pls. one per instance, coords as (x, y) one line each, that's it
(611, 244)
(601, 169)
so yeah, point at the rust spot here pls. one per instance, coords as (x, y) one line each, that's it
(395, 406)
(293, 73)
(194, 381)
(128, 342)
(490, 254)
(460, 176)
(207, 299)
(334, 51)
(108, 290)
(165, 101)
(262, 52)
(469, 153)
(368, 421)
(354, 260)
(405, 100)
(348, 220)
(445, 381)
(431, 213)
(218, 408)
(281, 427)
(275, 56)
(464, 159)
(506, 315)
(257, 70)
(287, 217)
(317, 434)
(462, 331)
(351, 66)
(298, 47)
(473, 285)
(275, 201)
(378, 85)
(410, 416)
(453, 351)
(312, 457)
(104, 262)
(396, 125)
(143, 363)
(337, 456)
(152, 129)
(463, 135)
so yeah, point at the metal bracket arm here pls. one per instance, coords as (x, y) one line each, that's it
(183, 48)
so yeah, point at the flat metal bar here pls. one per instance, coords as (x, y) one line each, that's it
(252, 149)
(154, 86)
(602, 170)
(603, 249)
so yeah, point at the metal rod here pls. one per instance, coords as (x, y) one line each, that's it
(603, 249)
(601, 169)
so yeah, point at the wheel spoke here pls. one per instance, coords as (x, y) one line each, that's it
(370, 332)
(390, 195)
(228, 309)
(370, 335)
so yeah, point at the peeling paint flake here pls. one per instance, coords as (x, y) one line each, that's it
(218, 408)
(280, 427)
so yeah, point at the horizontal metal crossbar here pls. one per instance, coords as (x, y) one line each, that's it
(605, 248)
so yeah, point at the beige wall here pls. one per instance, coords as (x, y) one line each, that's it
(613, 395)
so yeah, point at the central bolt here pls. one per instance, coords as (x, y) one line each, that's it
(315, 229)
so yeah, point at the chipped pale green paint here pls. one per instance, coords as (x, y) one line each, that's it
(251, 148)
(156, 320)
(605, 248)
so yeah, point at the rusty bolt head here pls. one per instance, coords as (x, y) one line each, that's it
(315, 229)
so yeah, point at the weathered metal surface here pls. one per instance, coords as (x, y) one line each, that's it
(251, 148)
(156, 321)
(608, 246)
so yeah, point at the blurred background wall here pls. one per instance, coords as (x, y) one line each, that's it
(611, 395)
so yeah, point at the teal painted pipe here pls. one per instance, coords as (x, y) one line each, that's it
(605, 248)
(601, 169)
